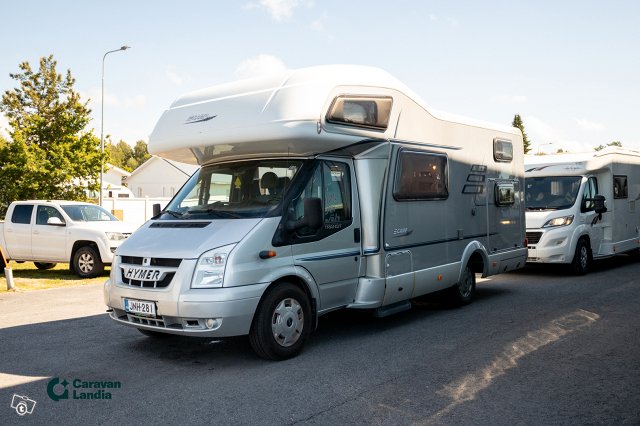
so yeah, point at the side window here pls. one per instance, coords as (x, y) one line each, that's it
(505, 194)
(620, 188)
(420, 176)
(44, 213)
(22, 213)
(502, 150)
(590, 191)
(331, 182)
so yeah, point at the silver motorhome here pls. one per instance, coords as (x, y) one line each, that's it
(325, 188)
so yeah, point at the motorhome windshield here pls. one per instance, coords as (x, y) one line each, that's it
(551, 192)
(247, 189)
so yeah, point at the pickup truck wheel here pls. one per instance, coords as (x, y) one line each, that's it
(87, 262)
(44, 266)
(282, 323)
(580, 263)
(465, 290)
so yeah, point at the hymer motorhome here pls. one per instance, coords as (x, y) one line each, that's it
(327, 187)
(582, 207)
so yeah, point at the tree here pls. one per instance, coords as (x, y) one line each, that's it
(124, 156)
(51, 155)
(614, 143)
(517, 122)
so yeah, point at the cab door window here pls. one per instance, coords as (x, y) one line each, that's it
(590, 191)
(331, 183)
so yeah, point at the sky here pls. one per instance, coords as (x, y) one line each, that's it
(571, 69)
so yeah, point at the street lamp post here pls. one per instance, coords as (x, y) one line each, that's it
(102, 120)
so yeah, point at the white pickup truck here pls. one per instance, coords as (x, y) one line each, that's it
(48, 232)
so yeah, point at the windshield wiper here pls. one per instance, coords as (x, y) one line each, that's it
(175, 214)
(220, 213)
(542, 208)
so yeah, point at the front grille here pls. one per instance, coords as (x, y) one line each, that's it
(533, 237)
(157, 322)
(154, 261)
(149, 284)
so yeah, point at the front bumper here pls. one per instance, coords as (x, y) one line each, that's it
(216, 312)
(550, 245)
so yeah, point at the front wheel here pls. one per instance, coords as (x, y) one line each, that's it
(580, 263)
(87, 262)
(465, 290)
(282, 323)
(44, 265)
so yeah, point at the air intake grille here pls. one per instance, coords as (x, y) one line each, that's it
(533, 237)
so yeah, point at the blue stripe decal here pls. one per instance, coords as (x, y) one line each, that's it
(329, 256)
(430, 243)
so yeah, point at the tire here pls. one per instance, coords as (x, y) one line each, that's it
(464, 291)
(581, 259)
(44, 265)
(87, 262)
(154, 334)
(282, 323)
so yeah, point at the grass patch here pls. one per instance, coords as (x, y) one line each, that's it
(27, 277)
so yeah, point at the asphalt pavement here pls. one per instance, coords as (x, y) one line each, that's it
(538, 346)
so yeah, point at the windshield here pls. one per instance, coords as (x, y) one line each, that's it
(551, 192)
(88, 213)
(247, 189)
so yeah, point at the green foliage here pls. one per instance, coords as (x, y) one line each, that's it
(51, 152)
(517, 122)
(124, 156)
(614, 143)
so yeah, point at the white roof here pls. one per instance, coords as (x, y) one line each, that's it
(577, 163)
(280, 115)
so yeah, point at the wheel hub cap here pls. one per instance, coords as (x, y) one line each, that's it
(287, 322)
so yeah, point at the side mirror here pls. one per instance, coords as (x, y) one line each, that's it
(312, 216)
(156, 209)
(55, 221)
(600, 204)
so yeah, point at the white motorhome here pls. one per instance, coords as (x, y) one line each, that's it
(582, 207)
(324, 188)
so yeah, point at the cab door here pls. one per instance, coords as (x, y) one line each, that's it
(49, 241)
(332, 252)
(17, 232)
(589, 217)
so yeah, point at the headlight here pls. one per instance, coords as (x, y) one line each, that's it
(116, 236)
(209, 271)
(559, 221)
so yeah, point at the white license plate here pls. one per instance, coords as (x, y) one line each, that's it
(140, 307)
(142, 274)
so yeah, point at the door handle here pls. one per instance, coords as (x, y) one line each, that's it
(356, 235)
(36, 232)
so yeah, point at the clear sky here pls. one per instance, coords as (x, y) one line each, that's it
(571, 69)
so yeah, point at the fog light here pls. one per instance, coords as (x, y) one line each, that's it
(210, 322)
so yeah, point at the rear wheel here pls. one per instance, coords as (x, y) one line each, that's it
(465, 290)
(44, 265)
(580, 263)
(87, 262)
(282, 323)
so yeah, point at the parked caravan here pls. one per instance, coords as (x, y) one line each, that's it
(325, 188)
(582, 207)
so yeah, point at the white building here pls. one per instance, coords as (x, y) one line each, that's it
(159, 177)
(113, 182)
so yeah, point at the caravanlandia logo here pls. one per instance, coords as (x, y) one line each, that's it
(58, 389)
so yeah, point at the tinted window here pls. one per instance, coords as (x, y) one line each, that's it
(590, 191)
(620, 189)
(46, 212)
(22, 213)
(551, 192)
(421, 176)
(331, 183)
(505, 194)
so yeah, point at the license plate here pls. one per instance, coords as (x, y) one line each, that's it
(140, 307)
(142, 274)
